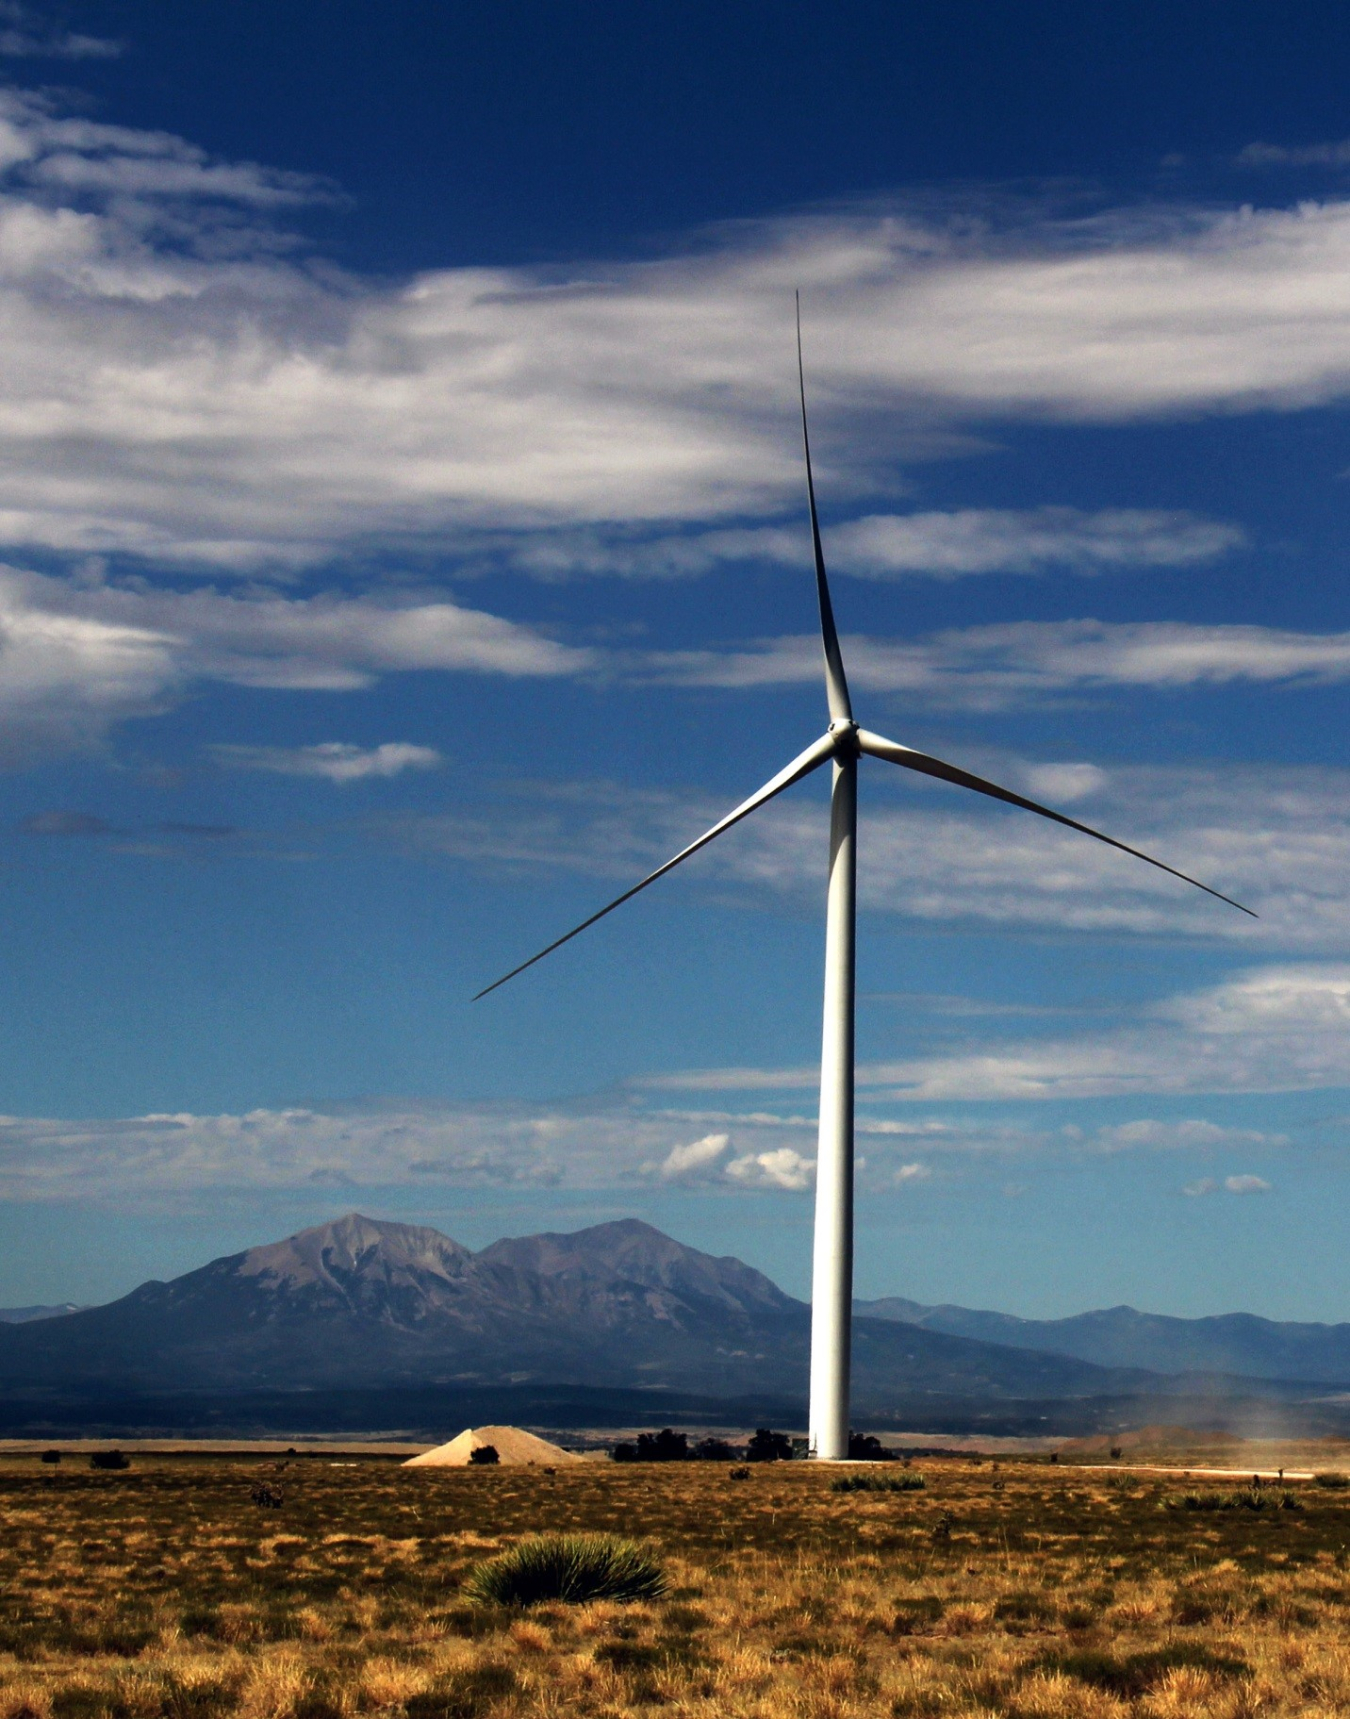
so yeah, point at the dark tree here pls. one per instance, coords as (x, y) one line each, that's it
(483, 1455)
(664, 1446)
(714, 1450)
(867, 1447)
(767, 1446)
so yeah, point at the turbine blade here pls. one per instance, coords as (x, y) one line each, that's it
(836, 686)
(893, 753)
(814, 756)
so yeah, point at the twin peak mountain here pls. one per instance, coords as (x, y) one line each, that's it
(359, 1304)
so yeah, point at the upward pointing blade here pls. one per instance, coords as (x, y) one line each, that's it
(802, 765)
(909, 759)
(836, 687)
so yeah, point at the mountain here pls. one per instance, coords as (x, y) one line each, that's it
(1232, 1343)
(362, 1305)
(25, 1315)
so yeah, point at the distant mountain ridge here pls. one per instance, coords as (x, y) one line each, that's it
(359, 1316)
(1231, 1343)
(361, 1304)
(26, 1315)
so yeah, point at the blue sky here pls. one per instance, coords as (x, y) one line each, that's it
(402, 549)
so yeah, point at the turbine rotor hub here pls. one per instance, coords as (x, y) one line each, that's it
(845, 734)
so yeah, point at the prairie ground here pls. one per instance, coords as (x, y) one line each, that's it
(180, 1589)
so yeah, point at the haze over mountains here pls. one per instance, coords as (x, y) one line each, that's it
(364, 1312)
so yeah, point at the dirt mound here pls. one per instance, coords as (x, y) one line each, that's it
(512, 1445)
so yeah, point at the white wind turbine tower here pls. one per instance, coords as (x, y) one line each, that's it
(841, 746)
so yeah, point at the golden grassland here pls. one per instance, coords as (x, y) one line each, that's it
(1025, 1589)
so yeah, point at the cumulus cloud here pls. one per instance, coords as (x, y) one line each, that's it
(588, 1144)
(618, 1142)
(332, 760)
(782, 1168)
(1229, 1185)
(1245, 1185)
(693, 1162)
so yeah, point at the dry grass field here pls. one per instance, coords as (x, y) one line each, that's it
(169, 1591)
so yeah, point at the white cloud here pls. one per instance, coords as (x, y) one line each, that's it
(1299, 155)
(693, 1162)
(1276, 838)
(988, 540)
(76, 657)
(333, 760)
(1246, 1185)
(23, 35)
(884, 546)
(1229, 1185)
(76, 654)
(588, 1144)
(1268, 1029)
(1189, 1135)
(177, 382)
(782, 1168)
(1026, 662)
(616, 1142)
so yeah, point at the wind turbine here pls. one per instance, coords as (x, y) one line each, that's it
(841, 746)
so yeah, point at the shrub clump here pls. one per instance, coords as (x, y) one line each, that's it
(1334, 1479)
(878, 1483)
(109, 1459)
(570, 1567)
(1248, 1498)
(483, 1456)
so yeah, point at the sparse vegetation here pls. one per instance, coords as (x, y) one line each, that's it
(879, 1483)
(573, 1568)
(165, 1592)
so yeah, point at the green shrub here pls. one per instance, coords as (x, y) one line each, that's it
(878, 1483)
(1335, 1480)
(1248, 1498)
(569, 1567)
